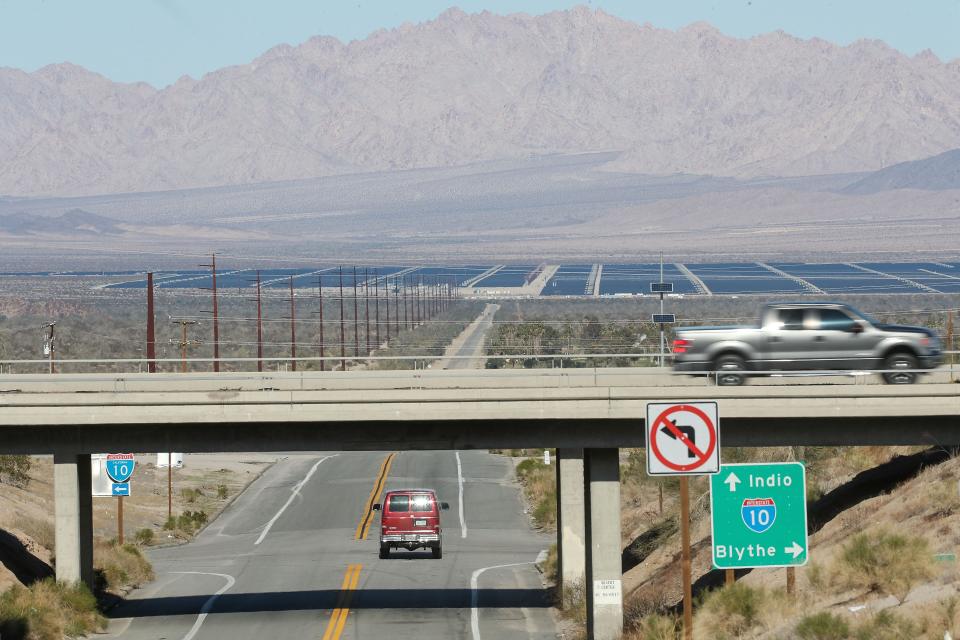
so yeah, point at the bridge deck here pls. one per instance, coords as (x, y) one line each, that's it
(451, 409)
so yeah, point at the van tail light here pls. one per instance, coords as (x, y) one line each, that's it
(925, 341)
(681, 345)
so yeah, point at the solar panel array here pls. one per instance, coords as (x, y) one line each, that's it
(607, 279)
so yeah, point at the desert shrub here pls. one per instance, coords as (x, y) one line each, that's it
(823, 626)
(189, 521)
(121, 565)
(143, 536)
(886, 625)
(190, 495)
(739, 610)
(170, 524)
(221, 492)
(886, 562)
(655, 627)
(15, 470)
(48, 610)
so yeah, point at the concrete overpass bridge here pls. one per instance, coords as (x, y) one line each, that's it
(587, 414)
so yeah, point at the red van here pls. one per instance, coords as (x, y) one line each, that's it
(410, 519)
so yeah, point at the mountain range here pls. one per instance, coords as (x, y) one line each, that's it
(469, 88)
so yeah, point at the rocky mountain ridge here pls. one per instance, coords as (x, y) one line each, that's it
(474, 87)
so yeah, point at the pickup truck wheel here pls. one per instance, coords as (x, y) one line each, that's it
(900, 361)
(729, 370)
(437, 551)
(384, 551)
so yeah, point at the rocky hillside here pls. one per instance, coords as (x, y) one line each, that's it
(939, 173)
(464, 88)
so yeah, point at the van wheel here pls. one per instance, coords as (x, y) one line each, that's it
(437, 551)
(729, 370)
(900, 361)
(384, 551)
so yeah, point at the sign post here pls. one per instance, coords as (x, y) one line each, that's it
(759, 516)
(683, 439)
(119, 467)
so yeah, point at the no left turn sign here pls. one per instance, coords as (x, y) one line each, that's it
(683, 438)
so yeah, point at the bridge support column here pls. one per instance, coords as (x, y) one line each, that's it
(73, 515)
(604, 585)
(571, 522)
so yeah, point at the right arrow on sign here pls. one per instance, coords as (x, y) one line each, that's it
(796, 550)
(732, 481)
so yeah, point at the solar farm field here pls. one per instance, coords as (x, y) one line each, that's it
(743, 278)
(570, 280)
(456, 274)
(720, 278)
(852, 278)
(636, 278)
(512, 275)
(941, 277)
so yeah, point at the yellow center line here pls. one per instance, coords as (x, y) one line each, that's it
(338, 619)
(366, 520)
(346, 605)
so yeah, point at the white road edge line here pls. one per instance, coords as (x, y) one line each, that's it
(209, 603)
(463, 523)
(293, 494)
(475, 596)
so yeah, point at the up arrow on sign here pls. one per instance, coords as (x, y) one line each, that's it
(796, 550)
(732, 481)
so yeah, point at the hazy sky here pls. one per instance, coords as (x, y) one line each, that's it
(159, 40)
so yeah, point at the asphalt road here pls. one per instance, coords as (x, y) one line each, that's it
(284, 560)
(470, 354)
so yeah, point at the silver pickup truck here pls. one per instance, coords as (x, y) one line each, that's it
(807, 336)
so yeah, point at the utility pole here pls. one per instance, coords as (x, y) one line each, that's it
(663, 344)
(356, 317)
(216, 316)
(293, 328)
(376, 297)
(366, 305)
(49, 346)
(418, 285)
(406, 299)
(386, 292)
(169, 485)
(396, 305)
(259, 326)
(151, 338)
(320, 295)
(343, 342)
(184, 343)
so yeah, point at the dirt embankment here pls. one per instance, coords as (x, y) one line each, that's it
(206, 483)
(915, 496)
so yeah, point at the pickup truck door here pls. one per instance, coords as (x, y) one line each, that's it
(788, 342)
(844, 342)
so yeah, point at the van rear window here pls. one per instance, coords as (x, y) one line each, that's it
(404, 503)
(399, 503)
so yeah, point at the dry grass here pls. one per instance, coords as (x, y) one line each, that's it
(41, 531)
(121, 566)
(740, 611)
(48, 610)
(539, 484)
(654, 627)
(886, 562)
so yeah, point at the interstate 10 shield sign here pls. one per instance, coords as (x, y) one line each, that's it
(758, 513)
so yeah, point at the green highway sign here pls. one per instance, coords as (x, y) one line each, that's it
(759, 515)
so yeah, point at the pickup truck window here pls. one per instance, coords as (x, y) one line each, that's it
(791, 319)
(835, 320)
